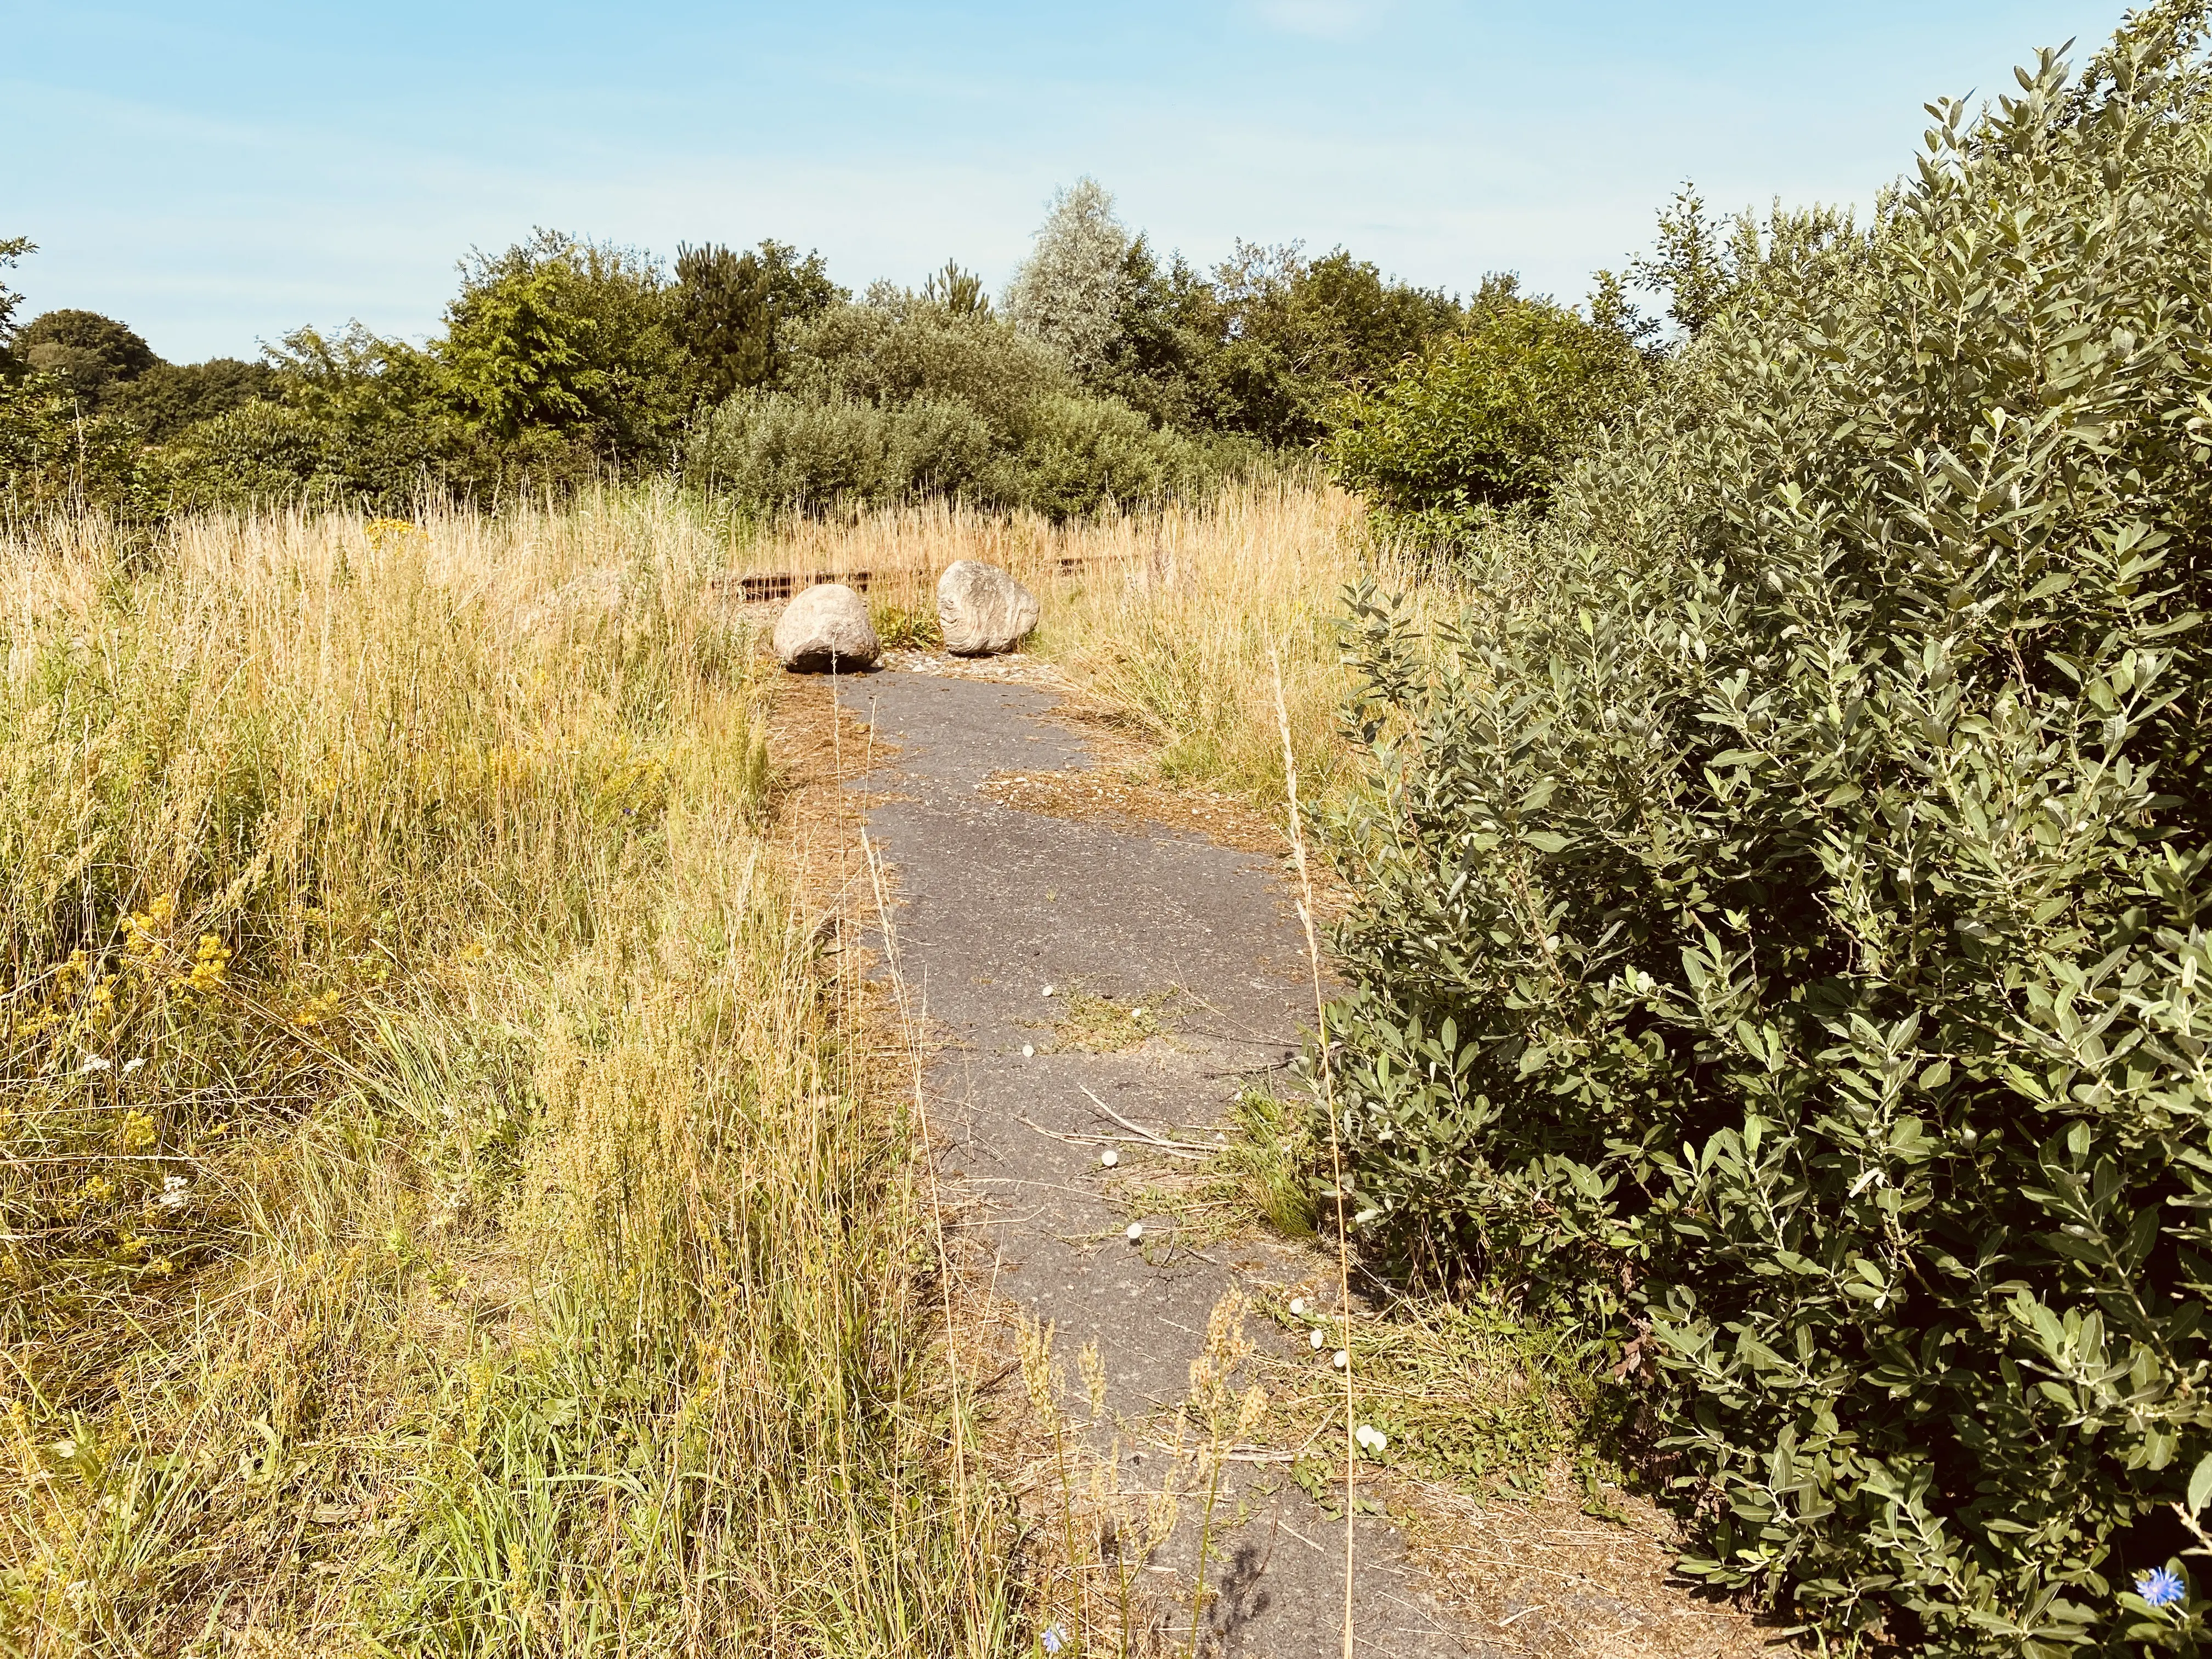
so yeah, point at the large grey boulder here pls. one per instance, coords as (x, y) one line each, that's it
(982, 610)
(825, 628)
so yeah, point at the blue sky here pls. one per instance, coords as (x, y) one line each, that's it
(219, 173)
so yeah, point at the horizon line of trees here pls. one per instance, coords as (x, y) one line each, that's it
(1104, 372)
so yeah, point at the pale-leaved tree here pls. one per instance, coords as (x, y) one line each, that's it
(1070, 290)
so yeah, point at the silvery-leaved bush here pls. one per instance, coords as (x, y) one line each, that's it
(1783, 889)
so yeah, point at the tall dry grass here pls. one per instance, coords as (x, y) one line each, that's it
(1165, 619)
(445, 1206)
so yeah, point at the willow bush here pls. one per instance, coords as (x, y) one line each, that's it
(1781, 947)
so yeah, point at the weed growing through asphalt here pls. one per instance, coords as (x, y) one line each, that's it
(1090, 1023)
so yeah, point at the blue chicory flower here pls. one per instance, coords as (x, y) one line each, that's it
(1054, 1639)
(2161, 1587)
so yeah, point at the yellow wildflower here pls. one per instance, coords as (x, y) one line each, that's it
(207, 966)
(138, 1132)
(317, 1009)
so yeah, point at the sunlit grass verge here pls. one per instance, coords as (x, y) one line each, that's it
(1171, 621)
(445, 1204)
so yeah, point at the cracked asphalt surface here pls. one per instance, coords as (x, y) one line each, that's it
(994, 904)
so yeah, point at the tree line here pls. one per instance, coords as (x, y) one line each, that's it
(1106, 372)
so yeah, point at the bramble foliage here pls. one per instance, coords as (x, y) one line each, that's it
(1785, 942)
(1486, 417)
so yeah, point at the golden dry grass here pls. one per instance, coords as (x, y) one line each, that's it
(450, 1206)
(1170, 623)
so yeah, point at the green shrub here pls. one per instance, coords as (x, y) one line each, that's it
(1783, 945)
(90, 353)
(898, 349)
(905, 396)
(12, 250)
(778, 449)
(729, 310)
(1488, 416)
(167, 398)
(261, 452)
(1080, 455)
(567, 337)
(55, 457)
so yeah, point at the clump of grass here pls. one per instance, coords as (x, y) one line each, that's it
(1099, 1025)
(901, 627)
(1473, 1391)
(1269, 1162)
(447, 1207)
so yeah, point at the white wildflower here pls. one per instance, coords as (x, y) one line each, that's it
(131, 1066)
(96, 1063)
(1371, 1438)
(176, 1190)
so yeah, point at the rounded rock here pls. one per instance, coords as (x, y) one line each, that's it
(982, 610)
(826, 629)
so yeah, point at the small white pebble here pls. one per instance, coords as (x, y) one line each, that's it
(1136, 1231)
(1139, 1013)
(1047, 990)
(1110, 1158)
(1315, 1337)
(1342, 1360)
(1297, 1306)
(1029, 1051)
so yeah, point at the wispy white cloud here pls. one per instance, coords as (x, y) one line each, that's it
(1321, 20)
